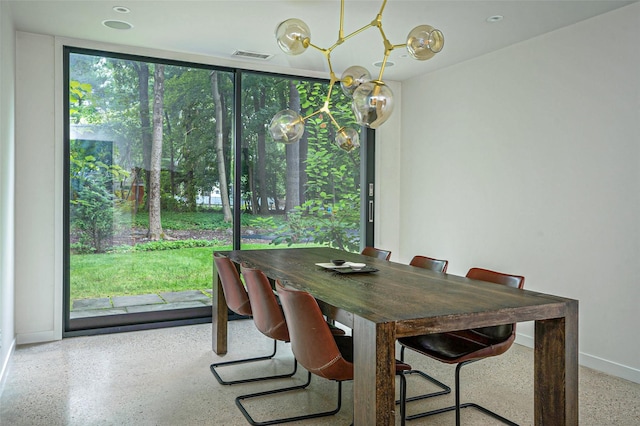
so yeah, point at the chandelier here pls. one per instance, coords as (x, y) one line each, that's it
(372, 100)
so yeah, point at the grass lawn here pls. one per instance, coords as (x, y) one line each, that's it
(145, 272)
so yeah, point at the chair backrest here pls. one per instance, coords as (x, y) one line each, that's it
(234, 291)
(430, 263)
(267, 314)
(377, 253)
(312, 343)
(499, 332)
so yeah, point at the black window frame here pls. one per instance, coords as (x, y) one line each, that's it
(168, 318)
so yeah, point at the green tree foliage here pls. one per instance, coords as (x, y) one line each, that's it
(91, 194)
(331, 213)
(106, 99)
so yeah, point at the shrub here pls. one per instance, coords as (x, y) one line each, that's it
(92, 215)
(165, 245)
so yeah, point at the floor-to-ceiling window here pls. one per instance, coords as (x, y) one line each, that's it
(302, 193)
(168, 161)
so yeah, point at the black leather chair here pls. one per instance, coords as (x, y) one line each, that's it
(467, 346)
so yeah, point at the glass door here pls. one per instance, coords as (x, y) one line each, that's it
(301, 194)
(148, 159)
(158, 153)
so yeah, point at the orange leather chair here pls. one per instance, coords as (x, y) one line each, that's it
(430, 263)
(238, 301)
(467, 346)
(269, 319)
(317, 349)
(377, 253)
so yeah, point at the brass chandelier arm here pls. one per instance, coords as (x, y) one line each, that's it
(384, 4)
(372, 100)
(377, 22)
(333, 120)
(303, 119)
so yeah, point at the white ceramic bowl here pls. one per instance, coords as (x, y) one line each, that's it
(357, 266)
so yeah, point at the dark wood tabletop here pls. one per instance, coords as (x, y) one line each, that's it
(400, 300)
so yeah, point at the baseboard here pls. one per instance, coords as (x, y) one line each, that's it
(524, 340)
(4, 364)
(610, 367)
(39, 337)
(590, 361)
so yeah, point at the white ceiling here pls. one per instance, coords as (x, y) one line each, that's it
(217, 28)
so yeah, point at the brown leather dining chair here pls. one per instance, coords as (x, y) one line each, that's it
(270, 320)
(377, 253)
(317, 349)
(436, 265)
(467, 346)
(238, 301)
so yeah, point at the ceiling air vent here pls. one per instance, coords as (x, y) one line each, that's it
(251, 55)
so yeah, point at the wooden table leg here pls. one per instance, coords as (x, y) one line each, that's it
(374, 373)
(219, 316)
(556, 369)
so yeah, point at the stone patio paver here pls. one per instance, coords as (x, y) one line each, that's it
(120, 305)
(184, 296)
(96, 313)
(100, 303)
(143, 299)
(164, 307)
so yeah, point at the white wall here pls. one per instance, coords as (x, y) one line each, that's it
(38, 223)
(387, 164)
(7, 192)
(527, 161)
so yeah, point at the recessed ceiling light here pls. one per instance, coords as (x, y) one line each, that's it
(121, 9)
(117, 25)
(495, 18)
(379, 64)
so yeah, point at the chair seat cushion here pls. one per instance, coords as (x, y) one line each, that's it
(455, 347)
(345, 345)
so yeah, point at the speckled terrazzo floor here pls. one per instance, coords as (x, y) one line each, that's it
(162, 377)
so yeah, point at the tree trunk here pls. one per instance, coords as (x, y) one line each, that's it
(293, 158)
(155, 223)
(222, 171)
(302, 167)
(142, 69)
(172, 165)
(262, 157)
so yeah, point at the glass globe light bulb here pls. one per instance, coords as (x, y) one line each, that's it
(424, 41)
(353, 77)
(372, 104)
(347, 139)
(293, 36)
(286, 127)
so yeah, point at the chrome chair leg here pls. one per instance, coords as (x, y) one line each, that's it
(214, 366)
(459, 406)
(253, 422)
(445, 389)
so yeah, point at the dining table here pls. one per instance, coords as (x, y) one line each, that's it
(388, 300)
